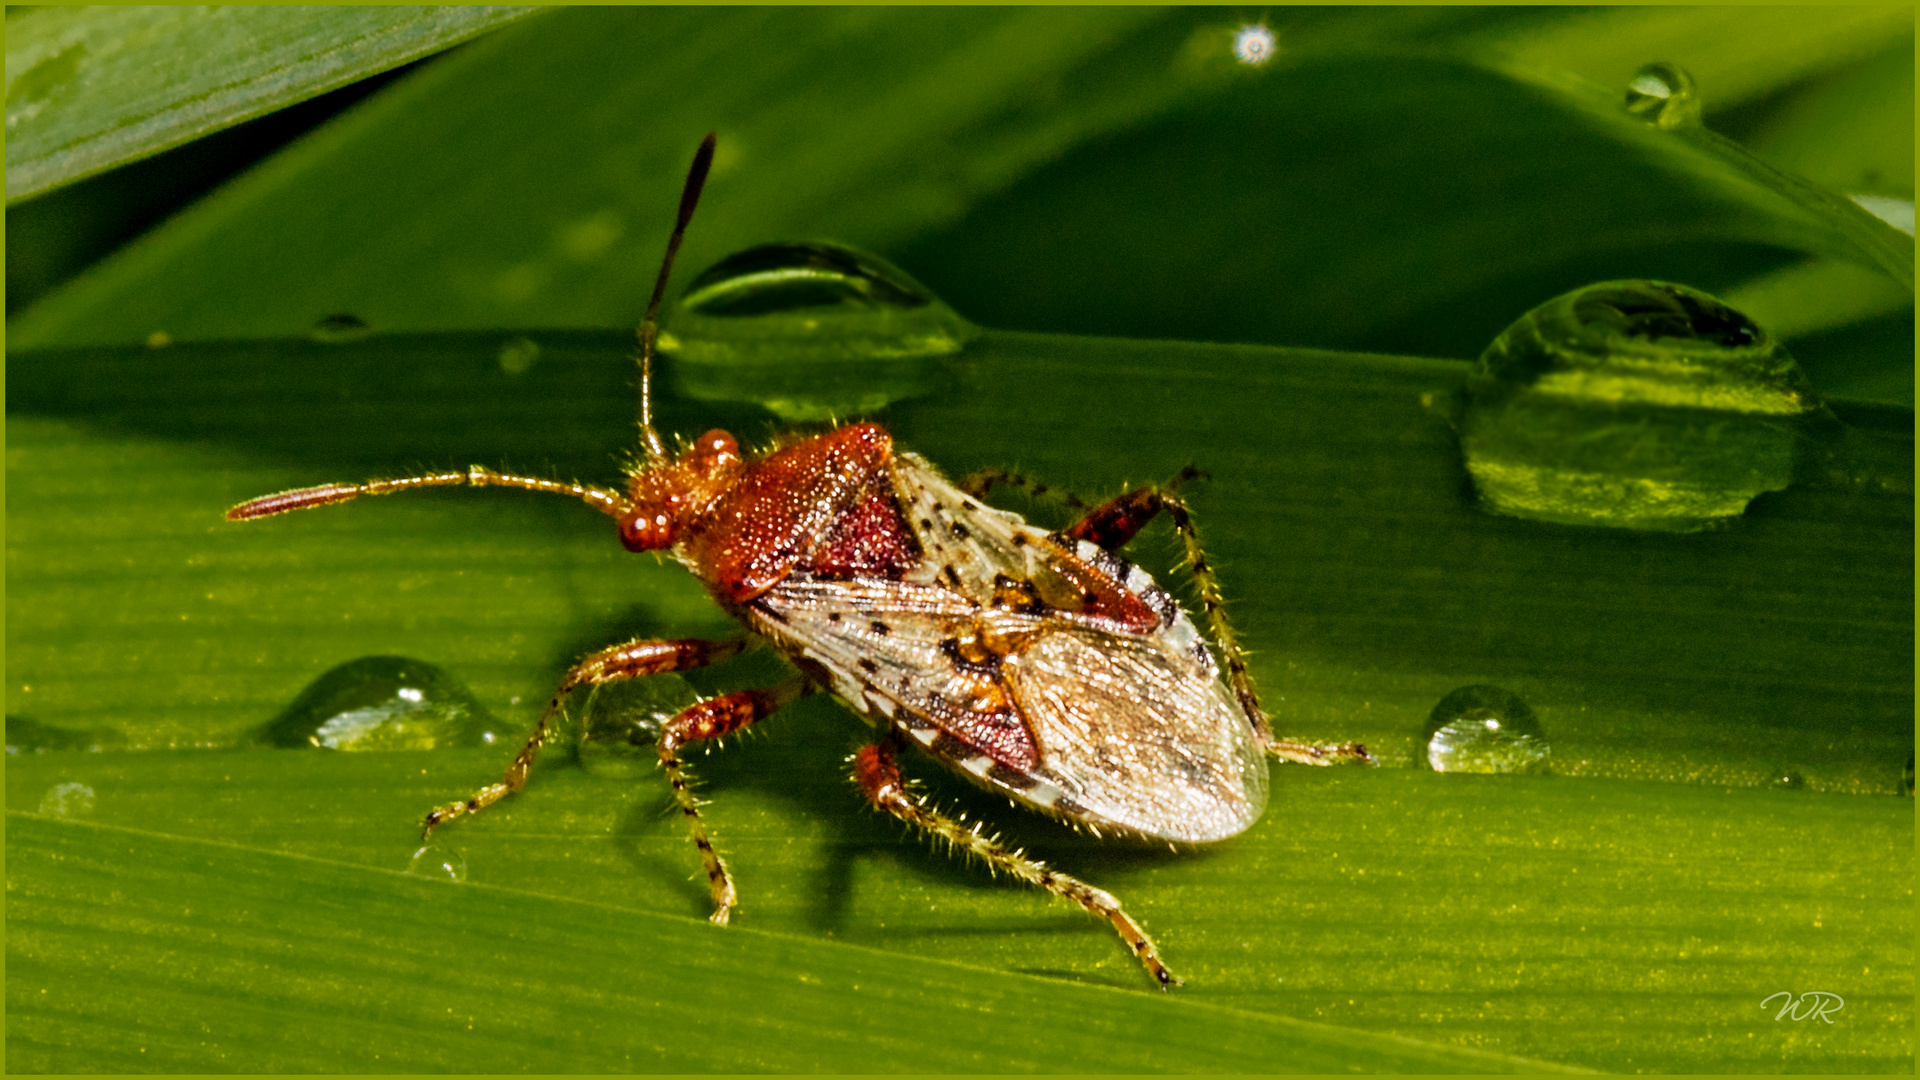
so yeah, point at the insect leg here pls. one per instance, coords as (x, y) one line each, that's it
(710, 719)
(632, 660)
(877, 774)
(611, 503)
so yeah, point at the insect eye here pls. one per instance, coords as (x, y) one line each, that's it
(647, 531)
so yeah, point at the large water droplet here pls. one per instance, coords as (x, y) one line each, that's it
(26, 736)
(1634, 404)
(68, 800)
(810, 331)
(1663, 95)
(622, 722)
(436, 863)
(382, 703)
(1485, 729)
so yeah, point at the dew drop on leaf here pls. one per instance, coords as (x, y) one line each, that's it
(436, 863)
(69, 800)
(1663, 95)
(1485, 729)
(382, 703)
(809, 331)
(1637, 405)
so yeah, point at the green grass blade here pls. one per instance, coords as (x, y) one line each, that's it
(90, 88)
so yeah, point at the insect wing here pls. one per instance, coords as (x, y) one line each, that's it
(1139, 734)
(1064, 679)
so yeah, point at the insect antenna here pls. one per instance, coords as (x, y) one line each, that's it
(650, 326)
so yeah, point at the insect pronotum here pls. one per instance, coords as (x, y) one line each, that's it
(1038, 664)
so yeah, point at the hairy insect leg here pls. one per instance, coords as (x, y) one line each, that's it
(711, 719)
(878, 775)
(612, 503)
(629, 661)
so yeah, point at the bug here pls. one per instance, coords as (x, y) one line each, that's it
(1041, 665)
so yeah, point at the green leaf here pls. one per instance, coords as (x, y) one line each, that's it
(90, 88)
(245, 909)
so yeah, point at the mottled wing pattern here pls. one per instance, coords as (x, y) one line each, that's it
(1064, 710)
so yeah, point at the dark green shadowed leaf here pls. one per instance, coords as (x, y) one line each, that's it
(90, 88)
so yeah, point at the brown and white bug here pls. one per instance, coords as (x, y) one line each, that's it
(1038, 664)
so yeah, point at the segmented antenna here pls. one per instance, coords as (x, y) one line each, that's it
(650, 326)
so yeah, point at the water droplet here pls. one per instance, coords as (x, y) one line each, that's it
(1485, 729)
(1788, 780)
(810, 331)
(436, 863)
(622, 722)
(382, 703)
(68, 801)
(1663, 95)
(518, 354)
(1634, 404)
(335, 329)
(26, 736)
(1254, 44)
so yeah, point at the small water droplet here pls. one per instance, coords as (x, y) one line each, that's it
(68, 800)
(810, 331)
(1663, 95)
(1254, 44)
(382, 703)
(1634, 404)
(26, 736)
(335, 329)
(621, 724)
(518, 354)
(436, 863)
(1485, 729)
(1788, 780)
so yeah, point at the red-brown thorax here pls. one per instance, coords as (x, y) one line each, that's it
(825, 504)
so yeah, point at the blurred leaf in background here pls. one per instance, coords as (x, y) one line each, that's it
(443, 266)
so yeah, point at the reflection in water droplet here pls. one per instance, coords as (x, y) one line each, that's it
(518, 354)
(1663, 95)
(335, 329)
(68, 801)
(622, 722)
(382, 703)
(1254, 44)
(810, 331)
(1485, 729)
(436, 863)
(1788, 780)
(1634, 404)
(26, 736)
